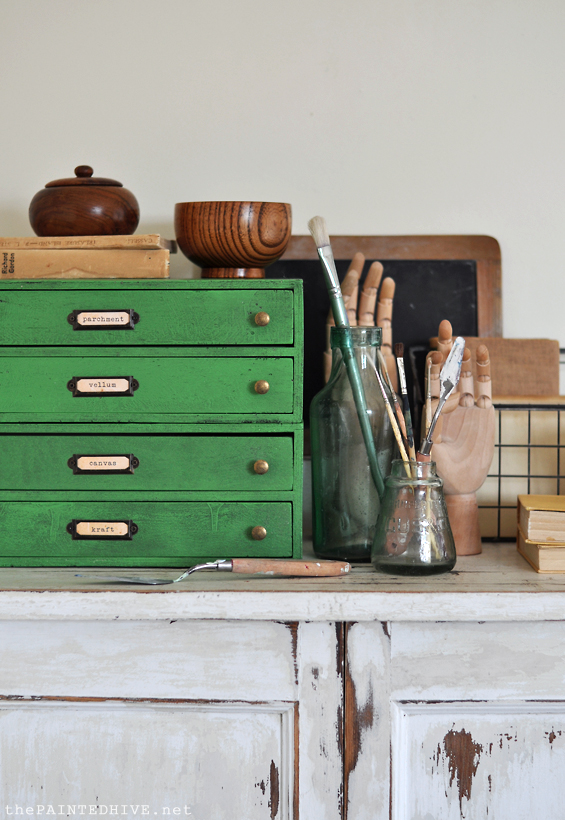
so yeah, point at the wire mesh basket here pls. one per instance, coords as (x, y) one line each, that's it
(529, 458)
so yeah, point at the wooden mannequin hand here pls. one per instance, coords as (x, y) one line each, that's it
(464, 443)
(361, 310)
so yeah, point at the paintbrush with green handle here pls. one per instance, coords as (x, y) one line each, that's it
(317, 227)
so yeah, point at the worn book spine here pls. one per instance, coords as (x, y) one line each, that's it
(542, 557)
(84, 264)
(541, 525)
(149, 241)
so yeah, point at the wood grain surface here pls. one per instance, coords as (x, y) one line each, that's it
(232, 235)
(83, 211)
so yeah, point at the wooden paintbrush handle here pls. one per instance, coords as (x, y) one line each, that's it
(267, 566)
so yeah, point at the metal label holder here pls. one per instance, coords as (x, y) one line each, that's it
(110, 464)
(103, 319)
(118, 530)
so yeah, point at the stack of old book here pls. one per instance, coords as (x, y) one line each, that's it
(139, 256)
(541, 531)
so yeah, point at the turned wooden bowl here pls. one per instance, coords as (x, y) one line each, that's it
(233, 240)
(84, 206)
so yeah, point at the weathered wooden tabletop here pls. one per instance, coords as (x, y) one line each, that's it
(497, 585)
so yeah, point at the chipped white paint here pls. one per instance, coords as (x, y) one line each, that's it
(210, 711)
(321, 706)
(368, 660)
(209, 694)
(478, 661)
(217, 759)
(497, 586)
(479, 760)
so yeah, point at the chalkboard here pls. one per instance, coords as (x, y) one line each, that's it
(460, 281)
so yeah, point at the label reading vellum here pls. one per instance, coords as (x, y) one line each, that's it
(106, 317)
(103, 463)
(102, 385)
(110, 529)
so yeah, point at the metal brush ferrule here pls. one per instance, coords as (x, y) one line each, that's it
(336, 297)
(327, 259)
(402, 376)
(224, 566)
(426, 447)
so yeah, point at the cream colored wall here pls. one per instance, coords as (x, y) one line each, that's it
(385, 116)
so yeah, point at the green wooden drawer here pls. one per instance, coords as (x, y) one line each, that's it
(184, 462)
(217, 388)
(169, 313)
(167, 533)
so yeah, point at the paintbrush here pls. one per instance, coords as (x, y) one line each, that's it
(367, 303)
(393, 422)
(317, 227)
(349, 290)
(384, 320)
(399, 353)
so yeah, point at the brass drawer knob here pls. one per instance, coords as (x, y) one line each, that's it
(262, 386)
(262, 319)
(261, 467)
(258, 533)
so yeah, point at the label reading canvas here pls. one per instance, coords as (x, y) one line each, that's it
(103, 463)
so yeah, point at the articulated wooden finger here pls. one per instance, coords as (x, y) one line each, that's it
(433, 358)
(266, 566)
(384, 320)
(357, 263)
(466, 387)
(350, 290)
(384, 309)
(368, 298)
(445, 338)
(436, 360)
(484, 383)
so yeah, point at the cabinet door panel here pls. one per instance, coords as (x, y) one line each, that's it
(181, 462)
(233, 719)
(478, 760)
(190, 760)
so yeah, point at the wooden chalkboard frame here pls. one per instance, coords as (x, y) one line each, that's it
(483, 250)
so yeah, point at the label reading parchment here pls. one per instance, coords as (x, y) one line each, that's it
(103, 463)
(102, 385)
(102, 529)
(103, 317)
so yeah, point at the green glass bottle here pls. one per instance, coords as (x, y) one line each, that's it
(345, 501)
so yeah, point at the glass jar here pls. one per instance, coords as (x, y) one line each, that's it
(413, 534)
(345, 500)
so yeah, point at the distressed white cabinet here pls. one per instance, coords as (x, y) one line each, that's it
(366, 697)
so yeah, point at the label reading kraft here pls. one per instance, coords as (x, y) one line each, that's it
(101, 529)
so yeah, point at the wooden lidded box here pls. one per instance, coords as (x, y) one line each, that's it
(150, 422)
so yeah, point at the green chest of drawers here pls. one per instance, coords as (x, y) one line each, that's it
(150, 423)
